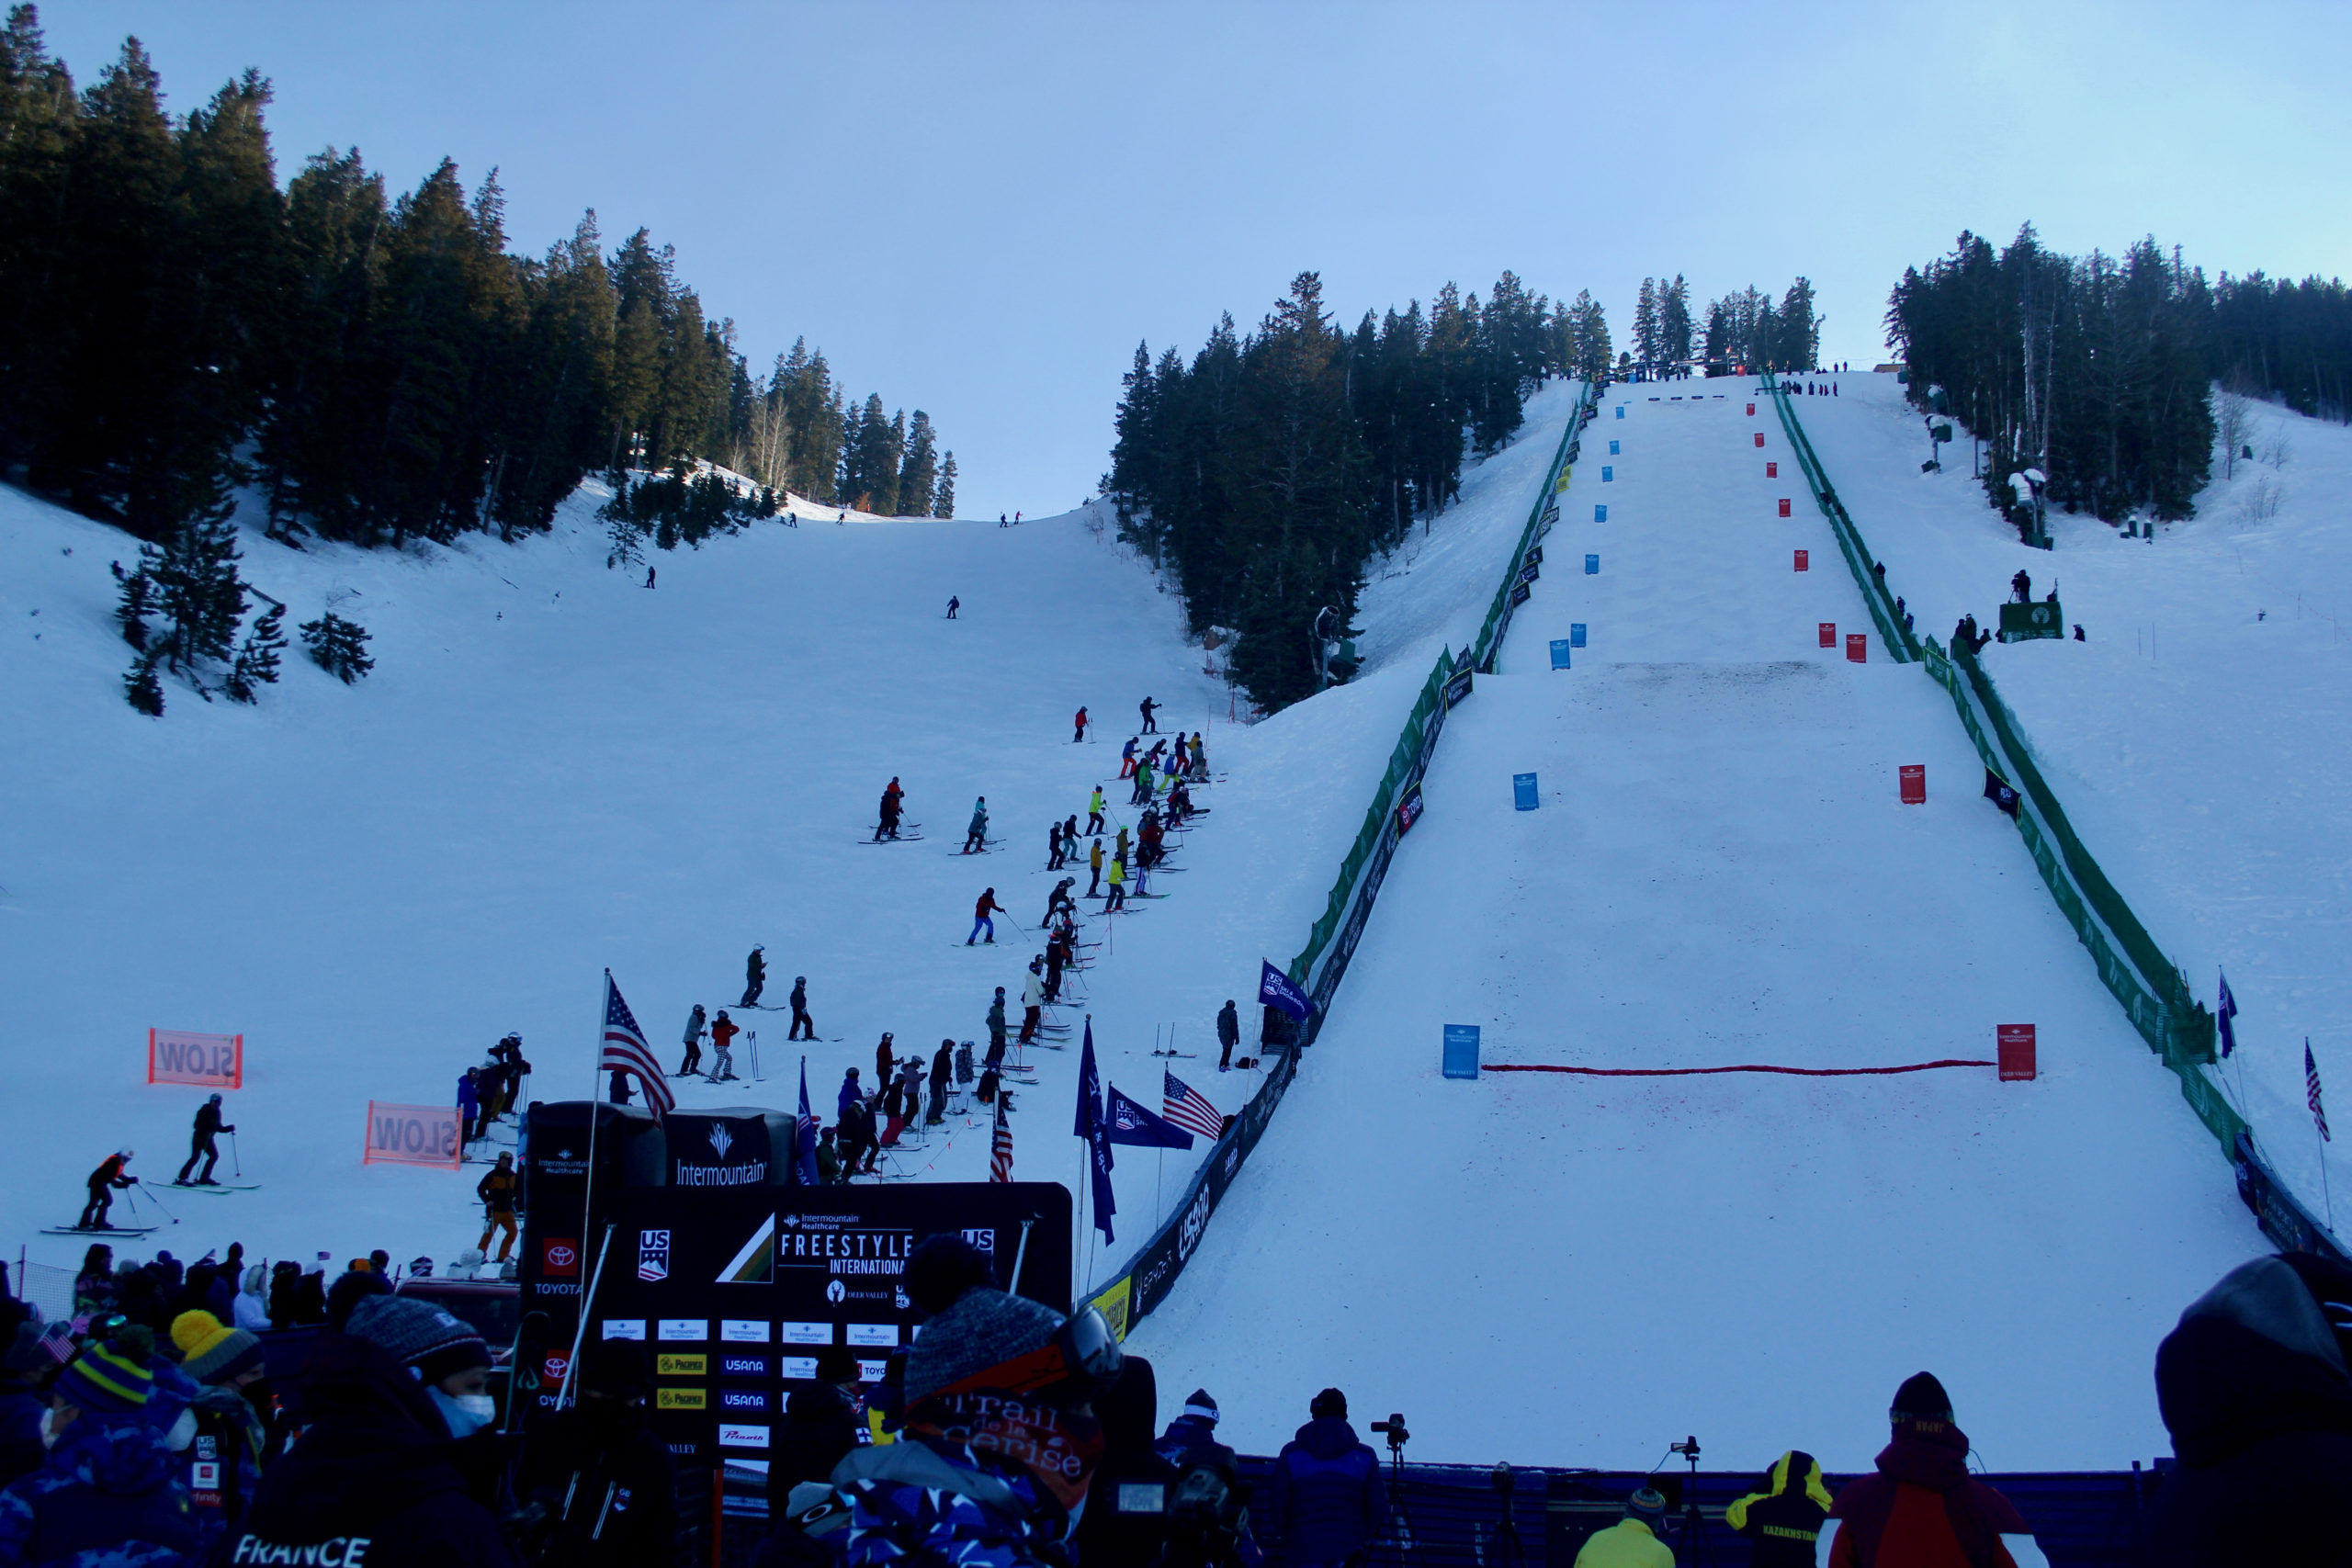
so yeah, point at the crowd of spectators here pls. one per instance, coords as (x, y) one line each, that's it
(148, 1431)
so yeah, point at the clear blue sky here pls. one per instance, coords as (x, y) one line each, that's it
(978, 209)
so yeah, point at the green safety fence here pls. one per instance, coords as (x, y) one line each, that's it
(2149, 987)
(1404, 761)
(1898, 638)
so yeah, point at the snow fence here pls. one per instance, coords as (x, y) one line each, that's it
(2149, 987)
(1144, 1281)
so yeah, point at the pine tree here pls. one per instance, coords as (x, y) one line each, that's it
(917, 469)
(144, 691)
(338, 646)
(1674, 321)
(197, 591)
(1646, 328)
(942, 498)
(257, 660)
(137, 603)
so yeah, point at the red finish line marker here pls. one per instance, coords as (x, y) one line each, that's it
(1696, 1072)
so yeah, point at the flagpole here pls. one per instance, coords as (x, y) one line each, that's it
(595, 1114)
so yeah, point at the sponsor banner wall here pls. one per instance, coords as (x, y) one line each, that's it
(412, 1134)
(212, 1061)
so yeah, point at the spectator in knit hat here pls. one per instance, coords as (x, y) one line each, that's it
(227, 1362)
(104, 1492)
(999, 1444)
(1635, 1541)
(1923, 1508)
(373, 1469)
(821, 1424)
(1324, 1492)
(23, 1402)
(442, 1352)
(606, 1482)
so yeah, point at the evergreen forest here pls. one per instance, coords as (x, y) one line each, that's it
(2100, 371)
(1267, 472)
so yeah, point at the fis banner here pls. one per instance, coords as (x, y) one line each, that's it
(412, 1134)
(214, 1061)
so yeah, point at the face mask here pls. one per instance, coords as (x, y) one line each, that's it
(49, 1427)
(464, 1414)
(183, 1432)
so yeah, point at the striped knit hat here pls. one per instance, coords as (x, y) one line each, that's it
(111, 1378)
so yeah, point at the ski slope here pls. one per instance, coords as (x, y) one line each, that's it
(1570, 1270)
(554, 770)
(2199, 737)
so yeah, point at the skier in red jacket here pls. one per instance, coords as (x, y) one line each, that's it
(980, 921)
(1081, 727)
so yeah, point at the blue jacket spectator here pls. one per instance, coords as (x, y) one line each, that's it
(104, 1496)
(1323, 1498)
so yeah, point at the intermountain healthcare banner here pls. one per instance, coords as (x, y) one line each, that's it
(212, 1061)
(412, 1134)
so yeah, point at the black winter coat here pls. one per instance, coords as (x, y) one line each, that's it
(607, 1482)
(819, 1426)
(2254, 1390)
(373, 1466)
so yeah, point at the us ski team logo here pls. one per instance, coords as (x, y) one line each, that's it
(652, 1255)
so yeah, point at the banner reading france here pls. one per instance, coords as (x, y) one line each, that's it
(412, 1134)
(178, 1055)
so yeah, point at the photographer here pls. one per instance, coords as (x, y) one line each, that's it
(1324, 1492)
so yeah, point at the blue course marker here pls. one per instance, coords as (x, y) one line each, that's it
(1592, 564)
(1608, 474)
(1523, 791)
(1600, 512)
(1460, 1059)
(1576, 633)
(1614, 451)
(1621, 410)
(1560, 647)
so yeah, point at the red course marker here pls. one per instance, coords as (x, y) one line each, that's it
(1784, 506)
(1858, 647)
(1804, 561)
(1915, 783)
(1828, 633)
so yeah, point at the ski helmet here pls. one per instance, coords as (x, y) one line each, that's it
(216, 1100)
(127, 1153)
(800, 979)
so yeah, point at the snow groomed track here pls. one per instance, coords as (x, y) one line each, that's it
(1567, 1271)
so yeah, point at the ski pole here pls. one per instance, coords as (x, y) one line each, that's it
(236, 1162)
(142, 1187)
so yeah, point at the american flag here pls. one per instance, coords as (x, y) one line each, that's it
(1001, 1144)
(58, 1339)
(1185, 1106)
(2311, 1092)
(626, 1049)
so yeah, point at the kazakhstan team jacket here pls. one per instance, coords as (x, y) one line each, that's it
(1783, 1516)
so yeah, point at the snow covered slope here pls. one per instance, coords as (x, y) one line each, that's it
(1573, 1270)
(2199, 737)
(554, 770)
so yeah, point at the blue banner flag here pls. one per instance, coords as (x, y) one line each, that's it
(2226, 1011)
(1132, 1123)
(1095, 1129)
(804, 1133)
(1277, 990)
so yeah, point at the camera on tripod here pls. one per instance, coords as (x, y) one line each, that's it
(1394, 1430)
(1688, 1448)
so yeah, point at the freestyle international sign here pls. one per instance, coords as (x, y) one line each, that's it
(213, 1061)
(410, 1134)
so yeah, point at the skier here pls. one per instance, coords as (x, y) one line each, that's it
(1058, 900)
(110, 1175)
(1118, 900)
(1094, 866)
(1179, 802)
(504, 1080)
(803, 1026)
(1199, 758)
(953, 605)
(723, 1031)
(1094, 813)
(1146, 707)
(1053, 846)
(649, 576)
(693, 1042)
(1145, 785)
(942, 1073)
(1081, 727)
(980, 913)
(1149, 837)
(1033, 999)
(496, 1191)
(756, 977)
(885, 1058)
(1127, 758)
(1057, 955)
(469, 1114)
(1070, 837)
(975, 837)
(893, 802)
(996, 1032)
(1228, 1034)
(2021, 588)
(1119, 850)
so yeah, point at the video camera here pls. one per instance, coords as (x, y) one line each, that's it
(1394, 1430)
